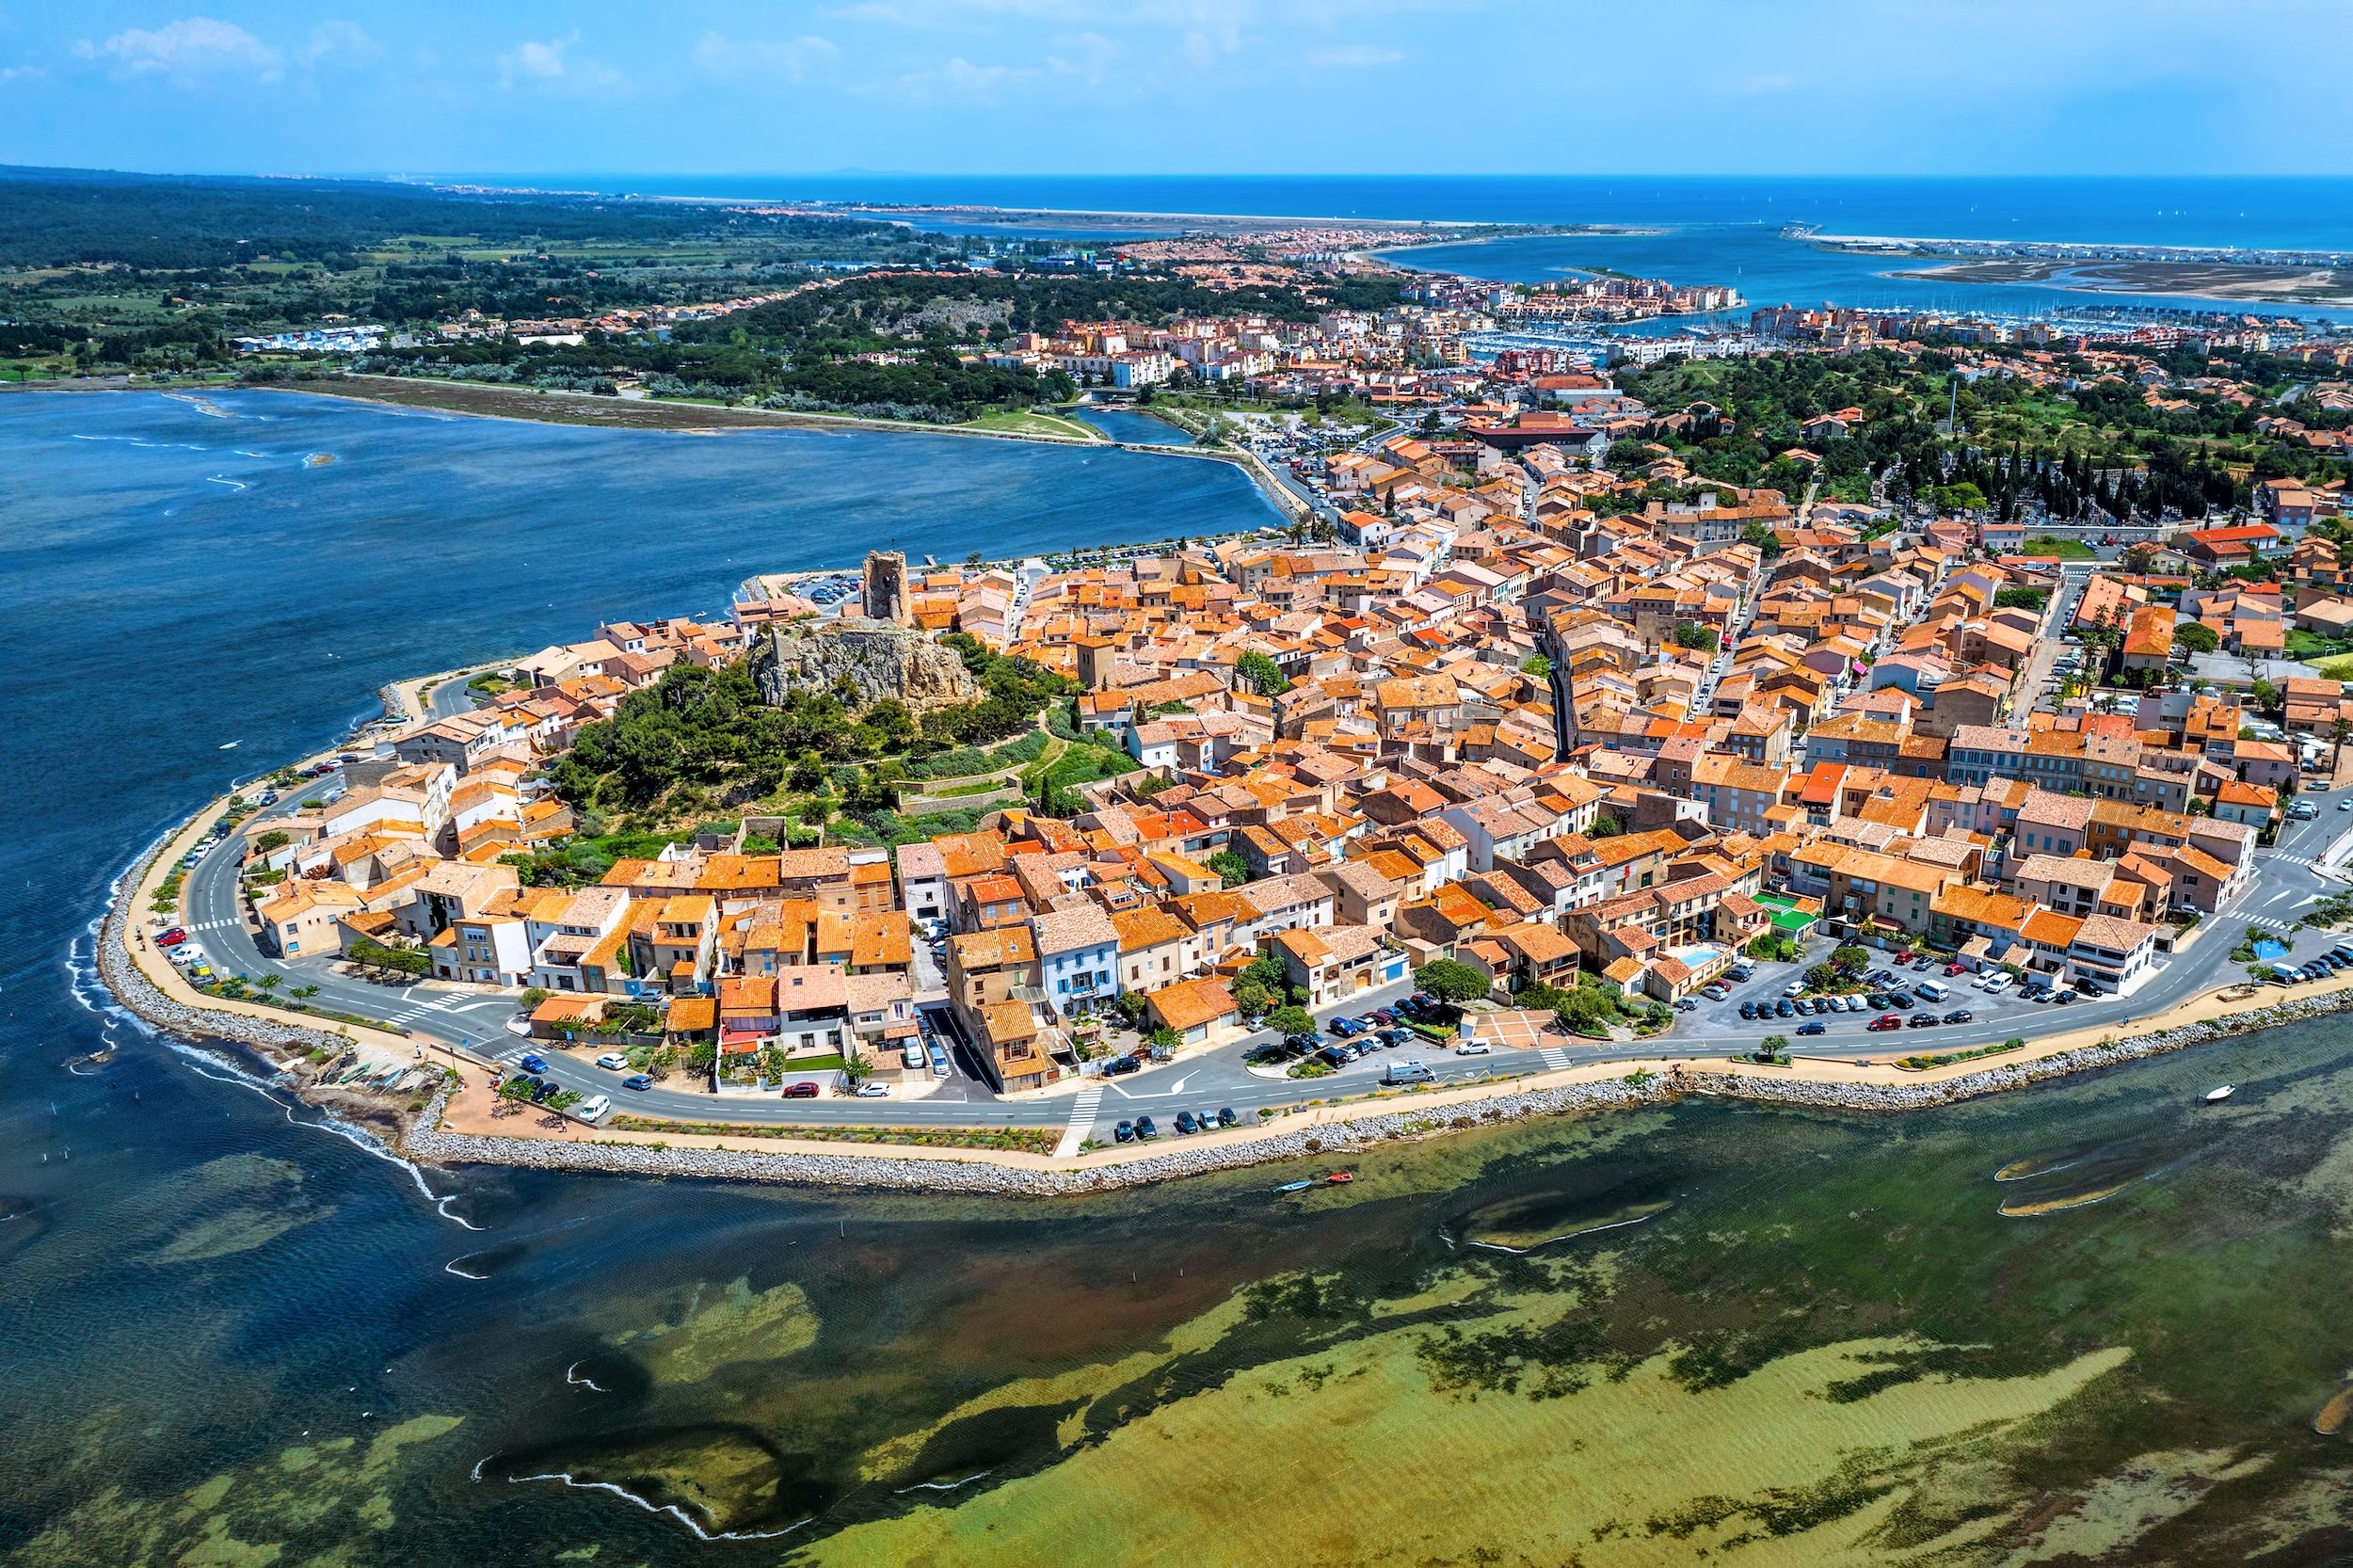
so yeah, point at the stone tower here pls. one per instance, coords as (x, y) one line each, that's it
(887, 588)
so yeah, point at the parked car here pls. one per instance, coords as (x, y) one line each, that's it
(870, 1090)
(1687, 1004)
(1793, 987)
(1785, 1008)
(1125, 1132)
(1119, 1067)
(1877, 999)
(1471, 1047)
(1961, 1015)
(1816, 1027)
(1225, 1116)
(533, 1063)
(612, 1061)
(1921, 1021)
(1145, 1127)
(805, 1090)
(1883, 1022)
(594, 1107)
(1900, 999)
(2061, 998)
(171, 938)
(1343, 1027)
(1185, 1122)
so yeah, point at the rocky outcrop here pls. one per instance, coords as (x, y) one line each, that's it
(863, 662)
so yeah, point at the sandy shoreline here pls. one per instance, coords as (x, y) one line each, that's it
(455, 1127)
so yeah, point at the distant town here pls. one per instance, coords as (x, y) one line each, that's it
(1742, 708)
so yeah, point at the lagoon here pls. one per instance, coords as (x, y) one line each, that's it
(1779, 1335)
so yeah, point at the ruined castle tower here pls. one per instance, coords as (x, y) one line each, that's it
(887, 588)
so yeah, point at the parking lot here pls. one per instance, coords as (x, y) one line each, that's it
(1848, 1031)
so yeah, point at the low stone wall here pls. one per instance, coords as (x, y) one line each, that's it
(1994, 1081)
(882, 1171)
(123, 977)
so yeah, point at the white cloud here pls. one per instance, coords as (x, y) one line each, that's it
(343, 42)
(190, 48)
(792, 58)
(1355, 57)
(551, 65)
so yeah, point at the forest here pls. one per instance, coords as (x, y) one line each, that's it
(105, 271)
(2099, 450)
(699, 738)
(880, 344)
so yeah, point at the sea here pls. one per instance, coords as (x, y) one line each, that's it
(2098, 1317)
(1685, 229)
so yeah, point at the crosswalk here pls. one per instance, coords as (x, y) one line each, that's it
(213, 926)
(2269, 922)
(1555, 1057)
(1081, 1121)
(2297, 859)
(424, 1009)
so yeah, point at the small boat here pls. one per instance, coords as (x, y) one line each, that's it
(1295, 1187)
(1340, 1178)
(2216, 1096)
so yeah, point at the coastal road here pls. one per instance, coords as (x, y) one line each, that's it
(2286, 883)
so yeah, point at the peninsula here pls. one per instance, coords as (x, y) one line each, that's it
(1591, 741)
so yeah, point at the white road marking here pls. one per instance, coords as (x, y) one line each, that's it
(1555, 1057)
(1081, 1121)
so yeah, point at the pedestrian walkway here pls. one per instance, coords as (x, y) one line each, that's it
(1082, 1122)
(2270, 922)
(1555, 1057)
(213, 926)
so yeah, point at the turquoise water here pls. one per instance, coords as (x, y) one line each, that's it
(236, 1336)
(1137, 429)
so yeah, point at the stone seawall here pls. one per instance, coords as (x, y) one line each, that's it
(980, 1175)
(273, 1039)
(284, 1042)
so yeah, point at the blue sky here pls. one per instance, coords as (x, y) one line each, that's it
(1985, 86)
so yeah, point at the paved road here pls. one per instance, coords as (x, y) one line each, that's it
(2285, 883)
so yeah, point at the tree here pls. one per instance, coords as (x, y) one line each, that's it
(1773, 1045)
(2266, 695)
(1450, 981)
(1537, 665)
(1265, 676)
(1690, 633)
(2197, 637)
(1230, 868)
(276, 838)
(1252, 998)
(1853, 959)
(1291, 1020)
(531, 998)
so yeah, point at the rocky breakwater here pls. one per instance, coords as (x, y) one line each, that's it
(1835, 1095)
(863, 662)
(285, 1044)
(979, 1173)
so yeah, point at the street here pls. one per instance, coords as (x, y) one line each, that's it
(2285, 883)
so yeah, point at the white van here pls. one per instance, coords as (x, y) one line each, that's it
(593, 1107)
(1931, 990)
(1414, 1071)
(913, 1056)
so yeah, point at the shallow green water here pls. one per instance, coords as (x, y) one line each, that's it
(1801, 1339)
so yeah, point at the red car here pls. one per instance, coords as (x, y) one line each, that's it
(802, 1091)
(171, 938)
(1884, 1021)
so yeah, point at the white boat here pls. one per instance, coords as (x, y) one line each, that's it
(2223, 1094)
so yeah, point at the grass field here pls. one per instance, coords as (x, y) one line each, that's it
(1020, 422)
